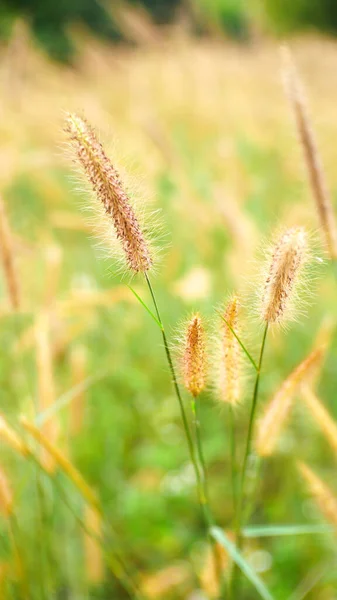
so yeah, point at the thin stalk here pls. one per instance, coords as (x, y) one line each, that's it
(201, 480)
(233, 457)
(191, 449)
(208, 514)
(239, 521)
(21, 571)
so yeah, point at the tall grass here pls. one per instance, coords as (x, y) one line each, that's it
(162, 476)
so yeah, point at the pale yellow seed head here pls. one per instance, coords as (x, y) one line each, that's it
(229, 358)
(316, 175)
(289, 256)
(194, 359)
(108, 188)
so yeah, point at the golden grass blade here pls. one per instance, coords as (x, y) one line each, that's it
(63, 462)
(6, 495)
(8, 435)
(7, 255)
(321, 416)
(94, 563)
(323, 496)
(278, 409)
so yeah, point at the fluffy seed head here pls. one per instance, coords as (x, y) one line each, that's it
(108, 188)
(194, 361)
(229, 363)
(321, 493)
(278, 409)
(288, 258)
(312, 158)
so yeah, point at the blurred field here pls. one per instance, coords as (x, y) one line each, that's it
(204, 133)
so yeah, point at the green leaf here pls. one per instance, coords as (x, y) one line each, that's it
(249, 356)
(253, 577)
(279, 530)
(146, 307)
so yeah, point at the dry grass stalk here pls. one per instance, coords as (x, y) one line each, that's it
(6, 495)
(313, 162)
(321, 493)
(278, 409)
(194, 360)
(53, 259)
(8, 259)
(209, 582)
(46, 384)
(94, 563)
(8, 435)
(78, 364)
(108, 187)
(229, 359)
(321, 416)
(63, 462)
(288, 257)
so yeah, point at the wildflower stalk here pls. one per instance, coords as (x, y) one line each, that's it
(201, 480)
(241, 493)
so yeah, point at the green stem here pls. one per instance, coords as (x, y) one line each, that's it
(207, 511)
(178, 394)
(21, 571)
(233, 458)
(201, 480)
(239, 521)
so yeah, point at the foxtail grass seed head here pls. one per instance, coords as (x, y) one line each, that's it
(278, 409)
(107, 186)
(229, 357)
(321, 493)
(194, 359)
(313, 163)
(6, 495)
(288, 258)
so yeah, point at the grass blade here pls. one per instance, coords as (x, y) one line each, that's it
(146, 307)
(68, 396)
(249, 356)
(280, 530)
(246, 569)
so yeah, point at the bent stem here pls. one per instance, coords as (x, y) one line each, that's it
(201, 480)
(241, 495)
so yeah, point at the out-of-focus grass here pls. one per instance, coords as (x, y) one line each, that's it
(204, 134)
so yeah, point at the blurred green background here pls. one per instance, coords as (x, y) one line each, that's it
(50, 21)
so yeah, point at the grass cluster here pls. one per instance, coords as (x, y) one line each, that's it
(105, 491)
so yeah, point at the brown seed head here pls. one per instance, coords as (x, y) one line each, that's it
(108, 188)
(288, 259)
(321, 493)
(229, 358)
(278, 409)
(194, 361)
(313, 163)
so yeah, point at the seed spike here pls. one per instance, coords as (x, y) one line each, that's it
(194, 361)
(109, 190)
